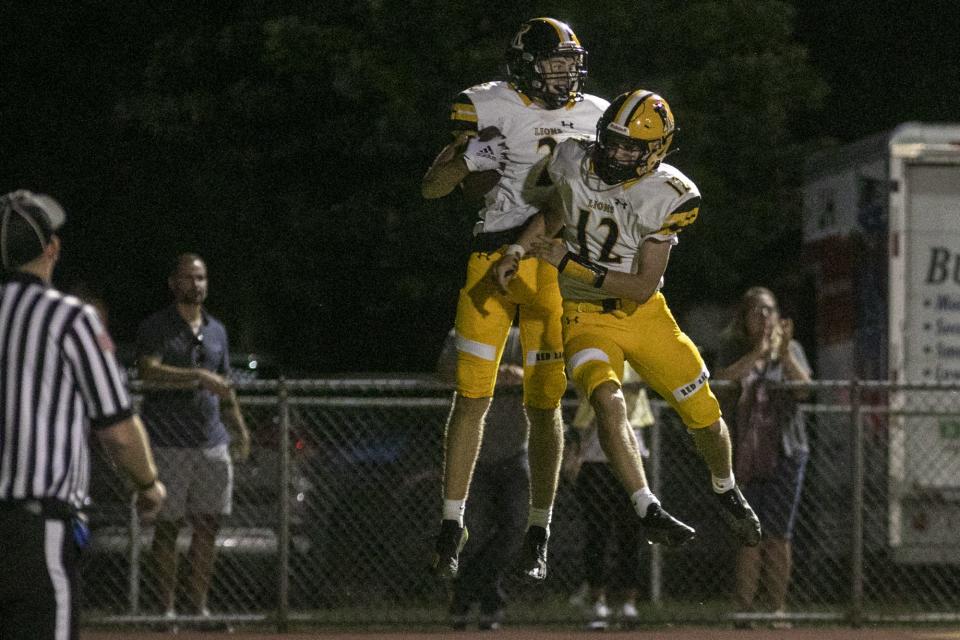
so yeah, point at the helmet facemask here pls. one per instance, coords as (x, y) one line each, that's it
(546, 62)
(638, 143)
(557, 78)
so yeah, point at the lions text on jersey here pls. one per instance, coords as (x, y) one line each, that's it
(532, 133)
(608, 223)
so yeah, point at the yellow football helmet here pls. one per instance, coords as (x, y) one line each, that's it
(639, 124)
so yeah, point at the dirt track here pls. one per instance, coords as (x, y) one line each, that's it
(533, 633)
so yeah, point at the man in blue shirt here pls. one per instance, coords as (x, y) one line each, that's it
(183, 354)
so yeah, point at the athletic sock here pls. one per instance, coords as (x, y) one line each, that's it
(642, 499)
(722, 485)
(453, 510)
(540, 517)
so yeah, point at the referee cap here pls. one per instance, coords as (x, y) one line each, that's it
(27, 221)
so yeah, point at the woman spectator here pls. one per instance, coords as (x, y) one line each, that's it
(770, 440)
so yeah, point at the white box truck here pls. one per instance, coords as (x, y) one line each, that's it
(924, 464)
(882, 240)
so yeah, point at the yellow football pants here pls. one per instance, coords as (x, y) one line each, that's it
(647, 336)
(484, 318)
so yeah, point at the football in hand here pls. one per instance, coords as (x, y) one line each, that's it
(477, 184)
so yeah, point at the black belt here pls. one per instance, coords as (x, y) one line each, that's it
(51, 508)
(604, 305)
(611, 304)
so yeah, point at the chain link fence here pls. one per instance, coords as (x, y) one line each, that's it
(334, 510)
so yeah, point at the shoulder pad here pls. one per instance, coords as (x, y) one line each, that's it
(596, 101)
(489, 91)
(682, 215)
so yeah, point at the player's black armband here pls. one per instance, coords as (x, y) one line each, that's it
(582, 270)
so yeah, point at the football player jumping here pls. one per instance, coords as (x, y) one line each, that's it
(501, 130)
(621, 208)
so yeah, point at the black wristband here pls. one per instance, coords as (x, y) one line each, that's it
(147, 486)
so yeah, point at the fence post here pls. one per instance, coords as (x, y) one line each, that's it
(856, 549)
(656, 554)
(134, 550)
(133, 577)
(283, 542)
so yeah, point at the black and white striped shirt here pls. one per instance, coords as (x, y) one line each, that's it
(58, 376)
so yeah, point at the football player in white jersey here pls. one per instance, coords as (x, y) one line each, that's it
(621, 207)
(501, 131)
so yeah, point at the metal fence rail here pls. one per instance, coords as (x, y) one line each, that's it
(334, 509)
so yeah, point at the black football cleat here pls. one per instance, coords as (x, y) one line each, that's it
(660, 527)
(446, 555)
(533, 562)
(740, 517)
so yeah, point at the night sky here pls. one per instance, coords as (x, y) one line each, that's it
(885, 62)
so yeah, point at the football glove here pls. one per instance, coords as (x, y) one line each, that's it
(486, 155)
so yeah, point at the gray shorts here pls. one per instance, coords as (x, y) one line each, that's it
(198, 481)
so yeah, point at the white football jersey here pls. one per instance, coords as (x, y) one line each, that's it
(608, 223)
(532, 133)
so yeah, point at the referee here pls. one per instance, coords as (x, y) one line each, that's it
(58, 378)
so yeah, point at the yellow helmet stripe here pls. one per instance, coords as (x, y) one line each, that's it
(564, 32)
(630, 106)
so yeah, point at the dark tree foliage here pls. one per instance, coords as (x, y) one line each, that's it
(285, 142)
